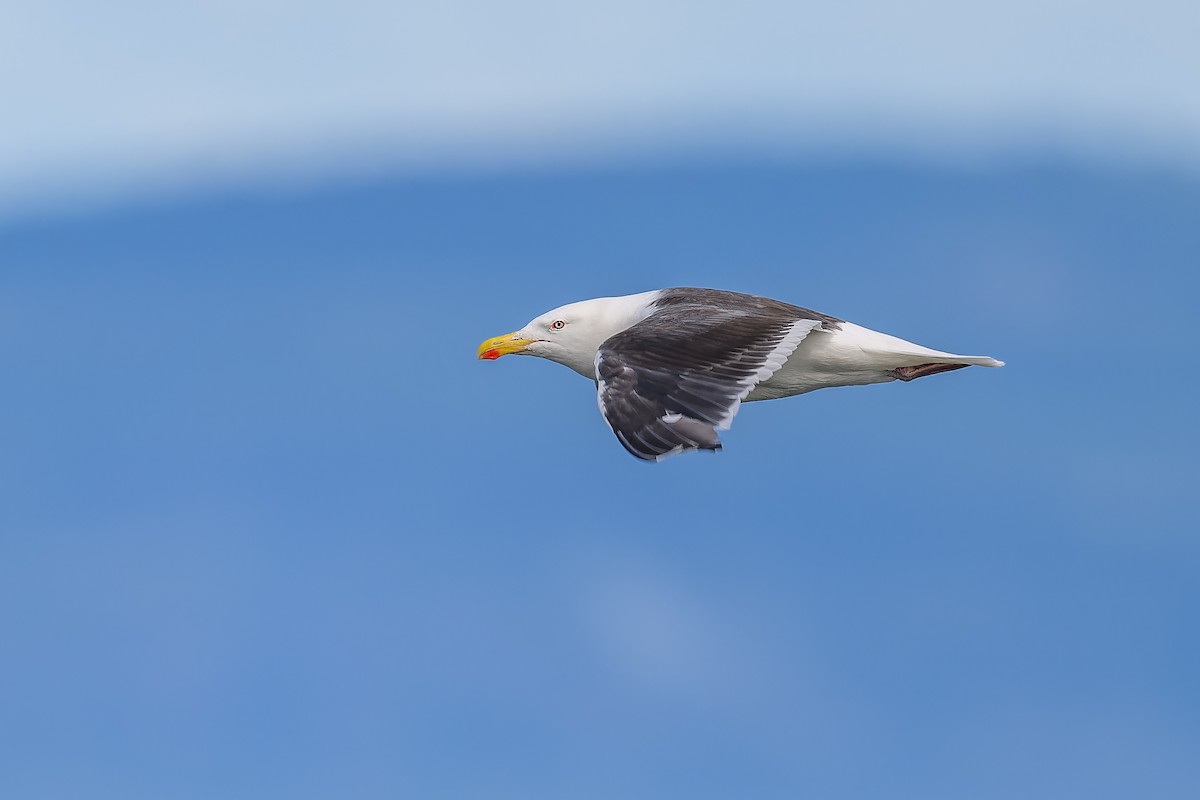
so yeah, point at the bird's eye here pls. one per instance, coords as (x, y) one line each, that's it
(557, 325)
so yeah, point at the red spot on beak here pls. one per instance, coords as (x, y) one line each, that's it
(491, 355)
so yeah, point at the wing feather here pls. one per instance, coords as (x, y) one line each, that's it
(667, 384)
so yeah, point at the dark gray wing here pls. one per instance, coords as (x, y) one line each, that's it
(667, 384)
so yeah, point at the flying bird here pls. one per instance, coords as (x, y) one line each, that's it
(673, 366)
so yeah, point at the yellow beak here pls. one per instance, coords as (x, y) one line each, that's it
(504, 345)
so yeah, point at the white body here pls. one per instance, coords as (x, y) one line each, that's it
(852, 356)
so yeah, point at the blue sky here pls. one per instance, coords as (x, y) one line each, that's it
(270, 528)
(267, 528)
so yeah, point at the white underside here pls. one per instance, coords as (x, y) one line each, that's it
(852, 356)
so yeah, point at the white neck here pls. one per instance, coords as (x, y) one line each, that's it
(589, 323)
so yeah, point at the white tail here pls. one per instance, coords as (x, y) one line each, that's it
(898, 352)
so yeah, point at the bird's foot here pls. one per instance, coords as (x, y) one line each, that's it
(921, 370)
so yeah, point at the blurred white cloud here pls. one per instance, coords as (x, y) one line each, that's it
(109, 98)
(655, 633)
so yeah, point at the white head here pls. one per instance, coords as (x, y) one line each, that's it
(572, 334)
